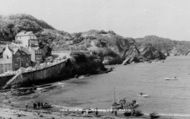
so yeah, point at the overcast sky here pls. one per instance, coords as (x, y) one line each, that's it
(130, 18)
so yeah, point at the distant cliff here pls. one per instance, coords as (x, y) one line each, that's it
(165, 45)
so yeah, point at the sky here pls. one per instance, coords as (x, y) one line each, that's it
(129, 18)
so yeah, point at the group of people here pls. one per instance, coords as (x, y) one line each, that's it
(40, 105)
(123, 104)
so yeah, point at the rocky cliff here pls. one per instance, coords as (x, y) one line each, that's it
(113, 48)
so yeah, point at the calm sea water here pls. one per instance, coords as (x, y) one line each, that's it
(97, 90)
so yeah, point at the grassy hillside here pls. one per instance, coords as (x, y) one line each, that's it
(11, 25)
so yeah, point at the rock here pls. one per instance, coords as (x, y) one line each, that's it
(151, 53)
(82, 63)
(132, 54)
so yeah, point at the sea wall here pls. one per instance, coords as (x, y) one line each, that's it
(43, 75)
(78, 64)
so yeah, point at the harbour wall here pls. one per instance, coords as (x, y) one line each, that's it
(62, 70)
(39, 76)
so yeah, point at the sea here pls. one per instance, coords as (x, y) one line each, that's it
(165, 86)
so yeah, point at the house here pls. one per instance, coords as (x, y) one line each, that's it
(29, 41)
(21, 58)
(26, 39)
(5, 65)
(7, 53)
(36, 55)
(14, 58)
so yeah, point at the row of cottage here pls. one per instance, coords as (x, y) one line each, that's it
(23, 52)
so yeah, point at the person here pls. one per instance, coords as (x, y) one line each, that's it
(115, 112)
(34, 105)
(96, 112)
(141, 93)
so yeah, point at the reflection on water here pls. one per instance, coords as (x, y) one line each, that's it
(129, 81)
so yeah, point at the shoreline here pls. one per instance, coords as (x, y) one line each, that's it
(9, 112)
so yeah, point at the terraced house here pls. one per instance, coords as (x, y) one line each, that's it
(13, 58)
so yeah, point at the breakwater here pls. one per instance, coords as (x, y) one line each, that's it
(49, 73)
(78, 64)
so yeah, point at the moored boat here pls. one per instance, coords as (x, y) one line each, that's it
(170, 78)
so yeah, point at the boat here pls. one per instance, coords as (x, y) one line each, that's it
(154, 115)
(49, 72)
(45, 87)
(172, 78)
(22, 91)
(143, 95)
(124, 104)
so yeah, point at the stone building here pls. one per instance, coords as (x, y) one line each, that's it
(26, 39)
(21, 58)
(13, 58)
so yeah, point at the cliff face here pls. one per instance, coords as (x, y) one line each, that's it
(132, 55)
(115, 49)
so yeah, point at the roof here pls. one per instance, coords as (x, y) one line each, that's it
(25, 33)
(14, 49)
(25, 50)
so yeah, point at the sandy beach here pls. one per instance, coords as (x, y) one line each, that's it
(14, 113)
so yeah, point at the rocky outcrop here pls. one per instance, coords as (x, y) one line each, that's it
(84, 63)
(132, 55)
(141, 54)
(151, 53)
(107, 45)
(114, 49)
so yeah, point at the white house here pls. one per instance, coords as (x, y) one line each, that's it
(7, 53)
(26, 39)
